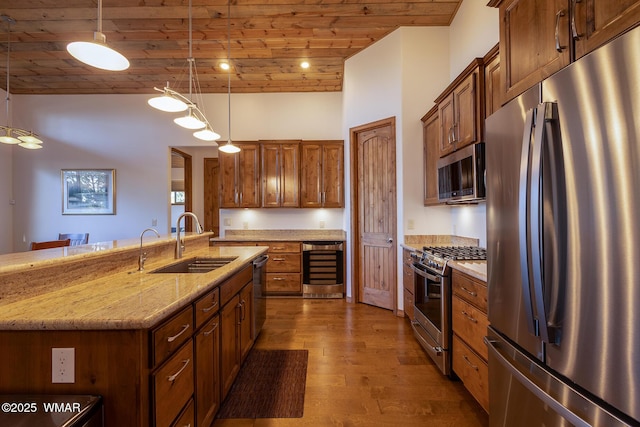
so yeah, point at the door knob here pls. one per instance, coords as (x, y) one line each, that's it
(390, 240)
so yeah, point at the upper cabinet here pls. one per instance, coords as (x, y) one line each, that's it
(322, 175)
(431, 138)
(461, 110)
(538, 38)
(493, 95)
(240, 177)
(280, 175)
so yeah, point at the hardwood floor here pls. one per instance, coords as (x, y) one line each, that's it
(365, 369)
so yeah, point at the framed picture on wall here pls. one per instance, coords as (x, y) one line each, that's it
(88, 191)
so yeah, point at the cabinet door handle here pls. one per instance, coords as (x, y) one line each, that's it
(206, 334)
(472, 293)
(278, 248)
(243, 310)
(173, 377)
(184, 329)
(574, 29)
(279, 279)
(278, 259)
(557, 34)
(468, 316)
(475, 367)
(208, 309)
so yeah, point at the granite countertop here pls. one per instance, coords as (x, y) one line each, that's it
(281, 235)
(477, 269)
(123, 300)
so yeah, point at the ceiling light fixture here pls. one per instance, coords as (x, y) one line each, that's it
(97, 53)
(229, 147)
(23, 138)
(172, 101)
(304, 64)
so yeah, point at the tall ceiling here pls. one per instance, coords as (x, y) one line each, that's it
(269, 39)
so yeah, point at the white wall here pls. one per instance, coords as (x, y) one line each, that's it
(123, 133)
(474, 31)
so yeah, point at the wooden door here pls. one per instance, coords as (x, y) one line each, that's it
(290, 176)
(598, 21)
(271, 165)
(528, 51)
(207, 348)
(493, 94)
(446, 112)
(333, 175)
(228, 180)
(466, 112)
(229, 344)
(246, 321)
(310, 175)
(431, 136)
(211, 189)
(376, 214)
(249, 176)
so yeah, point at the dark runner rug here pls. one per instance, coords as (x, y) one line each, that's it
(270, 384)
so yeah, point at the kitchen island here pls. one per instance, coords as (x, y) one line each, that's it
(155, 346)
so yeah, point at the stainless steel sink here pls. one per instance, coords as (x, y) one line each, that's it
(195, 265)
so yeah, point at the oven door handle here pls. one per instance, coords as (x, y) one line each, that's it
(423, 273)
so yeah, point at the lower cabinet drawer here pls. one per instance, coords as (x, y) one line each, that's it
(286, 263)
(472, 370)
(173, 386)
(471, 325)
(283, 283)
(187, 418)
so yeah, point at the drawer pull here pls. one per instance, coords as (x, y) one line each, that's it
(206, 310)
(173, 377)
(475, 367)
(472, 293)
(279, 279)
(468, 316)
(211, 331)
(184, 329)
(278, 259)
(278, 248)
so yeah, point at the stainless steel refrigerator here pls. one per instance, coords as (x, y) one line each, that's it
(563, 246)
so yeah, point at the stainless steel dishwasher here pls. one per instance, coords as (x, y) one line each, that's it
(323, 269)
(259, 300)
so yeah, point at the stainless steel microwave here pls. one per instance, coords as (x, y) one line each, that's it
(461, 175)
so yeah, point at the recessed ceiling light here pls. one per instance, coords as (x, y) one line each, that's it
(304, 64)
(224, 65)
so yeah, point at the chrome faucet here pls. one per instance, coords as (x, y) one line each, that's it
(143, 255)
(179, 242)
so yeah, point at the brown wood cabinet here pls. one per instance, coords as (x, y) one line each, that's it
(280, 175)
(492, 92)
(408, 284)
(284, 269)
(538, 38)
(461, 109)
(431, 153)
(240, 177)
(322, 174)
(470, 322)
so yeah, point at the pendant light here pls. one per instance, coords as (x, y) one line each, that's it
(229, 147)
(15, 136)
(97, 53)
(172, 101)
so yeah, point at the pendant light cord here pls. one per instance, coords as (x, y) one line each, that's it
(229, 63)
(100, 16)
(190, 58)
(9, 22)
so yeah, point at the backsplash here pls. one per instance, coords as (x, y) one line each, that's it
(439, 239)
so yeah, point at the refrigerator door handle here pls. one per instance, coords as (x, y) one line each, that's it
(535, 216)
(494, 350)
(523, 220)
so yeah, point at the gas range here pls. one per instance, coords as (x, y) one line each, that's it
(435, 258)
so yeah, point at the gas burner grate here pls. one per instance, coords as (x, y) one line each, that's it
(470, 253)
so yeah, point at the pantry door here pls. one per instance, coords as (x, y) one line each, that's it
(375, 203)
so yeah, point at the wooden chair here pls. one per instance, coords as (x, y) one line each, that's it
(50, 244)
(76, 238)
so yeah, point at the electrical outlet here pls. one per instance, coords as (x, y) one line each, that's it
(227, 222)
(411, 224)
(321, 224)
(245, 225)
(154, 222)
(63, 365)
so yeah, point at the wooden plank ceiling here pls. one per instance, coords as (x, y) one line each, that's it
(269, 39)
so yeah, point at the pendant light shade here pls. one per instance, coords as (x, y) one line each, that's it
(206, 134)
(97, 53)
(190, 121)
(169, 101)
(229, 148)
(13, 135)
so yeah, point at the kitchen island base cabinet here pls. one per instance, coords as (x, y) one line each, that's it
(167, 375)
